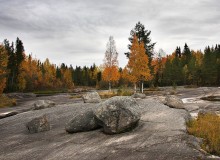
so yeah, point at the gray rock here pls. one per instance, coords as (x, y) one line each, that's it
(39, 124)
(160, 135)
(8, 114)
(174, 102)
(203, 112)
(21, 95)
(79, 90)
(92, 97)
(118, 114)
(191, 107)
(138, 95)
(41, 104)
(83, 122)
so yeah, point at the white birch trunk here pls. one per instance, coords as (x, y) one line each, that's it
(135, 87)
(109, 86)
(142, 87)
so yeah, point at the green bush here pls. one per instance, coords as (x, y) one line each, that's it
(207, 126)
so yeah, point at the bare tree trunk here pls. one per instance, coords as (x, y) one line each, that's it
(142, 87)
(135, 87)
(109, 86)
(140, 83)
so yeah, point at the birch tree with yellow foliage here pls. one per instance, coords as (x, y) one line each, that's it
(110, 73)
(138, 64)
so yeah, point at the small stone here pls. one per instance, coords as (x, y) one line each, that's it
(92, 97)
(138, 95)
(39, 124)
(42, 104)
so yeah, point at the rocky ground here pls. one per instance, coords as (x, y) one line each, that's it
(161, 132)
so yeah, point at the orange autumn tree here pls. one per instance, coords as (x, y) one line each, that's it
(110, 73)
(3, 68)
(67, 78)
(128, 76)
(30, 75)
(138, 63)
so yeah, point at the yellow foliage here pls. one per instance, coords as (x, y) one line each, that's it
(207, 127)
(138, 62)
(111, 74)
(49, 76)
(67, 78)
(3, 68)
(199, 57)
(7, 102)
(30, 75)
(127, 75)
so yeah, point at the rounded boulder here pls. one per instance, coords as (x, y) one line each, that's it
(118, 114)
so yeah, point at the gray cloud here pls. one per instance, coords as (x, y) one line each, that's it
(76, 32)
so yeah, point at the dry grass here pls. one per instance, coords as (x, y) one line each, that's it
(107, 94)
(207, 127)
(7, 102)
(124, 92)
(120, 92)
(76, 96)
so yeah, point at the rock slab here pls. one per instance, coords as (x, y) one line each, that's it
(39, 124)
(118, 114)
(92, 97)
(160, 135)
(82, 122)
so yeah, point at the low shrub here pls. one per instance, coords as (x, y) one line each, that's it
(207, 126)
(124, 92)
(120, 92)
(7, 102)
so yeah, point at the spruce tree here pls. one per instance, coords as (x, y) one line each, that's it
(178, 52)
(186, 54)
(143, 35)
(11, 67)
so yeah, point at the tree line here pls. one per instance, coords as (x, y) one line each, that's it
(188, 67)
(182, 67)
(22, 72)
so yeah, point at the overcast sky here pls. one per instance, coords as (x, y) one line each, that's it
(76, 31)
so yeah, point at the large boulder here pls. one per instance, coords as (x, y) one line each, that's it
(82, 122)
(39, 124)
(138, 95)
(118, 114)
(174, 102)
(41, 104)
(92, 97)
